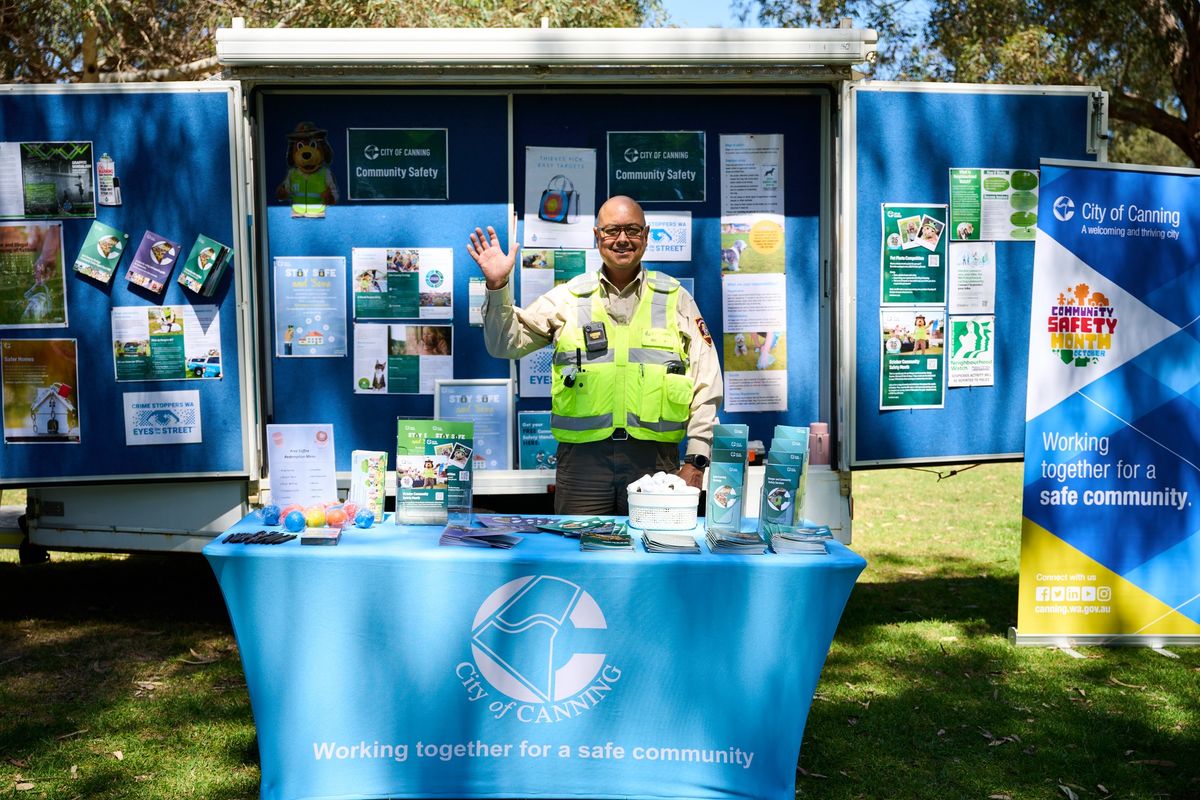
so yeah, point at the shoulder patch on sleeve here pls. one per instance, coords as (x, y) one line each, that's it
(704, 330)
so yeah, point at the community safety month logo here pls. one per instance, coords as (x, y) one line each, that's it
(533, 651)
(1081, 326)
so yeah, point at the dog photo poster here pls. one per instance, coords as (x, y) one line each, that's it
(560, 197)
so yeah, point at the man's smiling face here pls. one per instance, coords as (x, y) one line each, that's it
(621, 253)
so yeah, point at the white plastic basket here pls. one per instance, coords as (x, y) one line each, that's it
(665, 511)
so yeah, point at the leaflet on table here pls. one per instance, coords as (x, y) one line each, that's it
(401, 359)
(162, 417)
(793, 439)
(753, 243)
(972, 359)
(433, 471)
(783, 485)
(476, 294)
(727, 477)
(41, 402)
(560, 197)
(300, 463)
(101, 252)
(754, 302)
(912, 357)
(153, 262)
(33, 282)
(752, 173)
(993, 204)
(755, 371)
(913, 254)
(368, 480)
(403, 282)
(657, 166)
(162, 343)
(310, 306)
(670, 236)
(543, 274)
(536, 445)
(972, 279)
(204, 266)
(40, 180)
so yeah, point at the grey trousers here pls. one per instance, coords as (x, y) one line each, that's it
(592, 477)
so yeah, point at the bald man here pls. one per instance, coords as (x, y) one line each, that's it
(634, 367)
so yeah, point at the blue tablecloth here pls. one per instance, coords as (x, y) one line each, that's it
(390, 667)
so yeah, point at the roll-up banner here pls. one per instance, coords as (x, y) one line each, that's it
(1110, 544)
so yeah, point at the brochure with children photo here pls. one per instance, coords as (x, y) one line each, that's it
(433, 472)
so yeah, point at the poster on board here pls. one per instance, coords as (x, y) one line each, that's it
(41, 399)
(913, 254)
(310, 306)
(47, 180)
(560, 197)
(657, 166)
(912, 360)
(33, 291)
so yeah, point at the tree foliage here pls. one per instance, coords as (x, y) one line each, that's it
(77, 40)
(1145, 53)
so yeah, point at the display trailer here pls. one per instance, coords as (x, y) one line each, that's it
(341, 171)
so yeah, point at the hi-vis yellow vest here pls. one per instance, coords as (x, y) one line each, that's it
(626, 386)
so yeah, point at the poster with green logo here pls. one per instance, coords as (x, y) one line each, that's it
(47, 180)
(913, 254)
(912, 361)
(993, 205)
(397, 164)
(657, 166)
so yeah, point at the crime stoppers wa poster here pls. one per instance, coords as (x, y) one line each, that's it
(1110, 543)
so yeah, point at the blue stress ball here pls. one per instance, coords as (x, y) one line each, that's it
(294, 521)
(270, 515)
(365, 518)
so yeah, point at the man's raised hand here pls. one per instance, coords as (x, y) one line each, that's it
(495, 264)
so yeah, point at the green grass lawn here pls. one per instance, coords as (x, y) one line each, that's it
(120, 678)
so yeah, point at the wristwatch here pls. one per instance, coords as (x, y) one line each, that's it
(696, 460)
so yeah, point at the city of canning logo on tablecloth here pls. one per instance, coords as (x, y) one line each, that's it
(535, 640)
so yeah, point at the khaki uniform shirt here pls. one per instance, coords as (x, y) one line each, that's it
(512, 332)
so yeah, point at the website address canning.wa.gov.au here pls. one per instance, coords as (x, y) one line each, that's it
(1065, 610)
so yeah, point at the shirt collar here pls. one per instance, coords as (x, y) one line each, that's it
(633, 287)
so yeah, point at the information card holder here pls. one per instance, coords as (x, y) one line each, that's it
(491, 404)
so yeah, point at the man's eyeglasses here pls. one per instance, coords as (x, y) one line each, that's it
(632, 231)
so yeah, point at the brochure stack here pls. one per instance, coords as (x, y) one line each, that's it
(783, 481)
(727, 478)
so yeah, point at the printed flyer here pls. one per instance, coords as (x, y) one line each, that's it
(755, 371)
(162, 417)
(403, 283)
(752, 243)
(47, 180)
(560, 197)
(972, 279)
(476, 294)
(310, 307)
(972, 351)
(101, 252)
(912, 359)
(33, 282)
(537, 445)
(1109, 550)
(433, 471)
(204, 266)
(368, 480)
(41, 402)
(752, 174)
(670, 237)
(913, 254)
(993, 204)
(300, 463)
(401, 359)
(153, 262)
(751, 302)
(397, 164)
(657, 166)
(166, 343)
